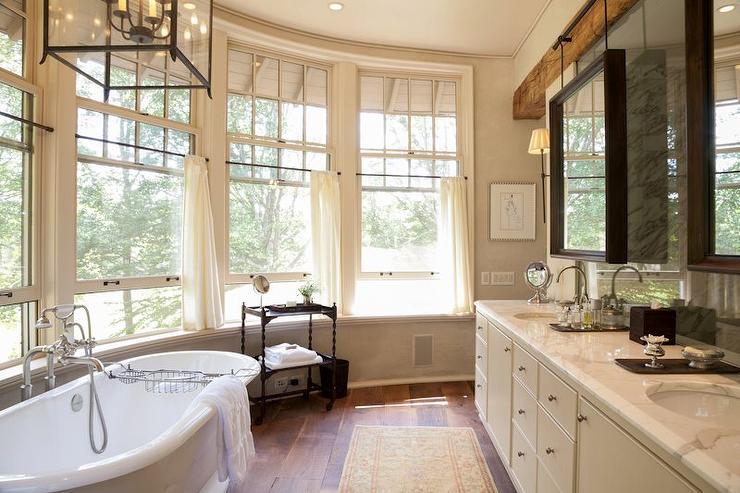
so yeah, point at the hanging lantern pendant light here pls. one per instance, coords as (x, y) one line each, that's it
(133, 26)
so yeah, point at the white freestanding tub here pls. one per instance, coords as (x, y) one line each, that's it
(153, 443)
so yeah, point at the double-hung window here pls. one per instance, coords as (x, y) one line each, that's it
(19, 291)
(408, 140)
(130, 202)
(726, 185)
(277, 123)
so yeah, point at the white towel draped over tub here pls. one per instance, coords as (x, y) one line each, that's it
(235, 444)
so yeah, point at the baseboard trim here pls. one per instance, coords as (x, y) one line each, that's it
(410, 380)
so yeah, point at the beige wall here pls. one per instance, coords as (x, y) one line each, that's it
(549, 26)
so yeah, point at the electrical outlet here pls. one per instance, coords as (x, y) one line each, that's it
(485, 278)
(502, 278)
(281, 384)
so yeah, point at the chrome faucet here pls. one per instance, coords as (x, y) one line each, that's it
(62, 349)
(577, 297)
(89, 361)
(612, 298)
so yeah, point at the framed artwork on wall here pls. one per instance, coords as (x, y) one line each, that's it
(512, 211)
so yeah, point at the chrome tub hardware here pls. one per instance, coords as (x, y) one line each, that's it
(171, 381)
(703, 358)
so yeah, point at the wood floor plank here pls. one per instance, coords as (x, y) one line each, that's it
(301, 447)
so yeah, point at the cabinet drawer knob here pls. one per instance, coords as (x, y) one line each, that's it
(551, 398)
(521, 368)
(520, 454)
(507, 349)
(480, 357)
(521, 411)
(479, 386)
(549, 450)
(581, 418)
(480, 327)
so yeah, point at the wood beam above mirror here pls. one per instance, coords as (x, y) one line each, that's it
(529, 98)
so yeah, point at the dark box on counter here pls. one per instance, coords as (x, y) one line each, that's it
(658, 322)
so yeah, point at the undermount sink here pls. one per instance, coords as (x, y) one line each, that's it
(719, 404)
(534, 316)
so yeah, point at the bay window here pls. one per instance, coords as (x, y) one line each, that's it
(130, 204)
(408, 140)
(19, 289)
(277, 123)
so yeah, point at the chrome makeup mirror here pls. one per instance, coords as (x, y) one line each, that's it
(261, 286)
(539, 277)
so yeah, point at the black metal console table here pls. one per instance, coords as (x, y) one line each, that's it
(266, 315)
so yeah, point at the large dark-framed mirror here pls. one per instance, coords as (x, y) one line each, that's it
(713, 143)
(588, 167)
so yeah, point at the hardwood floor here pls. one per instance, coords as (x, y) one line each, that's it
(301, 447)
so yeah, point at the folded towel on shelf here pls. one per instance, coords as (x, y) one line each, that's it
(278, 365)
(289, 353)
(234, 441)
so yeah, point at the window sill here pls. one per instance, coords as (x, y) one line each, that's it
(120, 349)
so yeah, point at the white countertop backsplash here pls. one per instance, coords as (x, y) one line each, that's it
(709, 450)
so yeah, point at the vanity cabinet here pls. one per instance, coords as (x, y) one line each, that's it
(481, 367)
(552, 439)
(499, 388)
(611, 461)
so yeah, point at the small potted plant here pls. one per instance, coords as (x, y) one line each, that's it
(308, 289)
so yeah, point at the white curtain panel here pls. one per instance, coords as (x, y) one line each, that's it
(454, 245)
(325, 234)
(202, 307)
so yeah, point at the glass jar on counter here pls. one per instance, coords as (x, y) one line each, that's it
(612, 317)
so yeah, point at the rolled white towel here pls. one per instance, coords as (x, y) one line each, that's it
(277, 365)
(289, 353)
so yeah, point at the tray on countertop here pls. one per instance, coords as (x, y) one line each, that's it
(673, 366)
(563, 328)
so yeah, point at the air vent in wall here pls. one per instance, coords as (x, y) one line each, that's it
(423, 349)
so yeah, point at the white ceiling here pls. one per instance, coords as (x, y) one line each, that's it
(485, 27)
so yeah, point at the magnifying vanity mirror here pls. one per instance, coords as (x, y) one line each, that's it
(539, 277)
(261, 286)
(589, 163)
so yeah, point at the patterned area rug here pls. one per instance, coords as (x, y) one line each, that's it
(415, 459)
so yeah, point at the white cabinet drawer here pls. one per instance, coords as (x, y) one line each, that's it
(559, 399)
(481, 393)
(481, 354)
(556, 451)
(525, 369)
(523, 462)
(545, 483)
(481, 327)
(524, 412)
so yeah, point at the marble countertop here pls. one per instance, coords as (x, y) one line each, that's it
(701, 444)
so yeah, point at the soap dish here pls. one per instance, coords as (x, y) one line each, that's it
(673, 367)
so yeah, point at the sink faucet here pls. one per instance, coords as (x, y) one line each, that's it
(577, 297)
(62, 349)
(612, 297)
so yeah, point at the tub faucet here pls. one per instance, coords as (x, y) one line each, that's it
(61, 348)
(577, 297)
(612, 298)
(89, 361)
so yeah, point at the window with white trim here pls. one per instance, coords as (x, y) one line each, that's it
(408, 139)
(277, 123)
(19, 291)
(129, 212)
